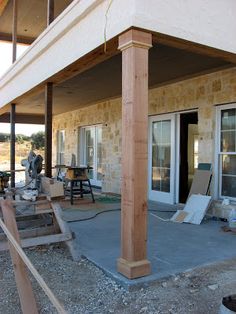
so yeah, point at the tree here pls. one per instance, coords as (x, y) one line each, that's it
(4, 137)
(21, 138)
(38, 140)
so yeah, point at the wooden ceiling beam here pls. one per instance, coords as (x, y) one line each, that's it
(23, 118)
(5, 109)
(20, 39)
(193, 47)
(3, 4)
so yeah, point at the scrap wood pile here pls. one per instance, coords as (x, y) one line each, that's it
(198, 201)
(194, 210)
(30, 235)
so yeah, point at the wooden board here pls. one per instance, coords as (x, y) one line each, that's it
(28, 303)
(194, 210)
(43, 240)
(134, 45)
(201, 181)
(32, 233)
(58, 232)
(65, 230)
(179, 216)
(27, 299)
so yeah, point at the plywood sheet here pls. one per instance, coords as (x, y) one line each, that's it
(194, 210)
(201, 181)
(179, 216)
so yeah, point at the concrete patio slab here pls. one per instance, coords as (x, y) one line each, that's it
(172, 248)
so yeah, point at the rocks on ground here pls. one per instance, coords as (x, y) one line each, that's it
(83, 288)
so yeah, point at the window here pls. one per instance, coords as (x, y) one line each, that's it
(61, 147)
(91, 152)
(227, 151)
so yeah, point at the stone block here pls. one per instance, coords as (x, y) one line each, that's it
(204, 92)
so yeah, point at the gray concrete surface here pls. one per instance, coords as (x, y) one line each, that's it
(172, 248)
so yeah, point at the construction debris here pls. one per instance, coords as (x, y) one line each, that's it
(201, 182)
(213, 287)
(44, 226)
(20, 261)
(51, 187)
(194, 210)
(228, 229)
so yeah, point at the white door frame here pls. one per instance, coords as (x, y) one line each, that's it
(176, 150)
(83, 151)
(177, 165)
(164, 197)
(177, 156)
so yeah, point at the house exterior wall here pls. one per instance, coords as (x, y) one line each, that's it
(210, 23)
(201, 93)
(108, 114)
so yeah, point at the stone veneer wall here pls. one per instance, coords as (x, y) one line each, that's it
(202, 93)
(109, 115)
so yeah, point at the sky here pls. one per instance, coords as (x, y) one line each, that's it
(5, 63)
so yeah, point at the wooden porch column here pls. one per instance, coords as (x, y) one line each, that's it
(12, 143)
(14, 30)
(134, 45)
(50, 12)
(48, 129)
(13, 106)
(48, 106)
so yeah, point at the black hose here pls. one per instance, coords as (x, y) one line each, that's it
(92, 217)
(117, 209)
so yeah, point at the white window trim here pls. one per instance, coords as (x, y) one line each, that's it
(218, 164)
(59, 148)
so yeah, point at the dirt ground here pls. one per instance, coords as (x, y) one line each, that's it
(83, 288)
(22, 151)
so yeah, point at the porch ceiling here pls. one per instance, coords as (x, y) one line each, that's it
(31, 19)
(167, 64)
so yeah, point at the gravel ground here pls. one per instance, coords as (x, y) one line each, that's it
(83, 288)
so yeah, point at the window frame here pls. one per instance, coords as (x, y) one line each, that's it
(219, 153)
(59, 142)
(82, 150)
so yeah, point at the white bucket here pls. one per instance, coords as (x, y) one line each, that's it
(232, 219)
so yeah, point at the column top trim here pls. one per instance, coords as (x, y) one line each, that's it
(133, 43)
(135, 38)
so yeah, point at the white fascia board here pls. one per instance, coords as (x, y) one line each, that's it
(73, 34)
(207, 22)
(80, 29)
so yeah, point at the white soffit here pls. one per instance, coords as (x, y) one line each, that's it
(207, 22)
(73, 34)
(80, 29)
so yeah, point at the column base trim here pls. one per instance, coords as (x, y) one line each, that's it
(133, 270)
